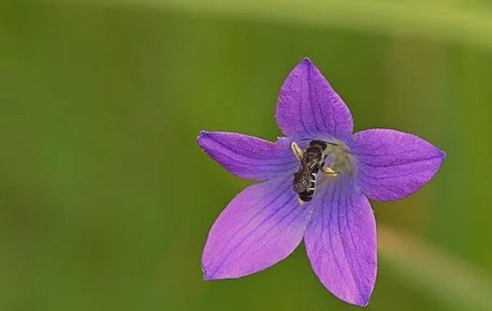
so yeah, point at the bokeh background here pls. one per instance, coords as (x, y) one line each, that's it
(106, 200)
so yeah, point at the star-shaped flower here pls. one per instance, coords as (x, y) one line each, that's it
(318, 193)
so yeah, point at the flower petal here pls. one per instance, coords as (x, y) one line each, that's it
(261, 226)
(249, 157)
(392, 164)
(308, 107)
(341, 243)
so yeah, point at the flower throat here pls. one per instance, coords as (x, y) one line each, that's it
(312, 160)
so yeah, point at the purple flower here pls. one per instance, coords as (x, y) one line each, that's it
(266, 221)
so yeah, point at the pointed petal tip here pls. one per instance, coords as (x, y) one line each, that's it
(443, 154)
(363, 301)
(202, 135)
(212, 274)
(307, 60)
(207, 277)
(219, 276)
(361, 304)
(359, 301)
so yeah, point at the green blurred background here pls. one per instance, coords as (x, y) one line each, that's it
(106, 200)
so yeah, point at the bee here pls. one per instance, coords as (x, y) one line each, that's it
(312, 160)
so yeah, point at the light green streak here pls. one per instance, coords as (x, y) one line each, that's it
(444, 277)
(439, 21)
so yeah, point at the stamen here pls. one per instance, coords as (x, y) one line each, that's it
(329, 172)
(297, 150)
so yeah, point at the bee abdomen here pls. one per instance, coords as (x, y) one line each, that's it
(308, 194)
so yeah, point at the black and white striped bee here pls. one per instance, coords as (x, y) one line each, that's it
(312, 160)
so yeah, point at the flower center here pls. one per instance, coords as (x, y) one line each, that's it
(331, 158)
(339, 158)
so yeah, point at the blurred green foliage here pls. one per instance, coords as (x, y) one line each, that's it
(106, 200)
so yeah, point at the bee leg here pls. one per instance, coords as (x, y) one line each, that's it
(329, 172)
(297, 150)
(301, 202)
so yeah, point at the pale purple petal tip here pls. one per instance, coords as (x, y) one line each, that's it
(341, 243)
(261, 226)
(308, 107)
(393, 164)
(247, 156)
